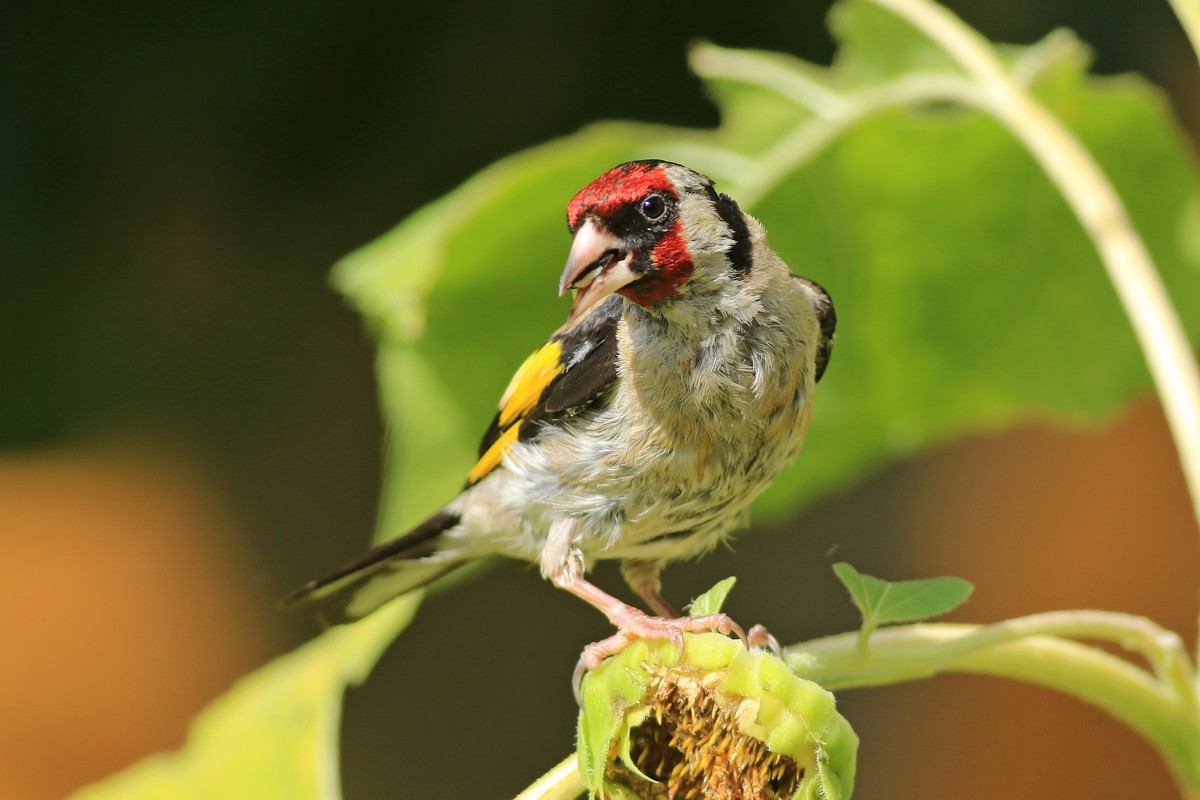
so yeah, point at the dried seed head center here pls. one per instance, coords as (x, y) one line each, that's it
(691, 744)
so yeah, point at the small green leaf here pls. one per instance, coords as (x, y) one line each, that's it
(882, 602)
(711, 601)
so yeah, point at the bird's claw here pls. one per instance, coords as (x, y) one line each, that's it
(760, 637)
(639, 625)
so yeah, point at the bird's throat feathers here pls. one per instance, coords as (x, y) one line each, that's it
(670, 267)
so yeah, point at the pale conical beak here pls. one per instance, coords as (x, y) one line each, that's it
(597, 266)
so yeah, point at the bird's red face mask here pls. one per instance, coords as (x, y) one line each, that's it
(628, 239)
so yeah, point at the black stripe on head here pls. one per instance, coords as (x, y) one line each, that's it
(740, 254)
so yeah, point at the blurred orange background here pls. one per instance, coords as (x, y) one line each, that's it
(190, 427)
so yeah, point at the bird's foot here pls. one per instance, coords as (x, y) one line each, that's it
(638, 625)
(760, 637)
(633, 624)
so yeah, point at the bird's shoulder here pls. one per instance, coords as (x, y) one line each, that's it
(826, 323)
(774, 278)
(568, 374)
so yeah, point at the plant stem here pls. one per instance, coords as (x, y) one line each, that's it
(1162, 648)
(1188, 12)
(916, 651)
(1098, 207)
(562, 782)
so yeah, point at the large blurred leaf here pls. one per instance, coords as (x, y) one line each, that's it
(273, 736)
(968, 296)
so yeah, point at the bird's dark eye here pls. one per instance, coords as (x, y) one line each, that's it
(653, 207)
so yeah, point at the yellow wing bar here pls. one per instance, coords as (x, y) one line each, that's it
(491, 459)
(529, 382)
(521, 397)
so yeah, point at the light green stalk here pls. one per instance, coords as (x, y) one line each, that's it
(1188, 12)
(1163, 709)
(1099, 209)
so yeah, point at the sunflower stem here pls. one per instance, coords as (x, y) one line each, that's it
(561, 782)
(1188, 12)
(1099, 209)
(1020, 649)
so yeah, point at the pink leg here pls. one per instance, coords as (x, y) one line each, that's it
(656, 601)
(756, 637)
(643, 578)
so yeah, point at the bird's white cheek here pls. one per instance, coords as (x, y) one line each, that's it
(703, 230)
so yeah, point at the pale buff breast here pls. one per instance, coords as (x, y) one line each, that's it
(698, 426)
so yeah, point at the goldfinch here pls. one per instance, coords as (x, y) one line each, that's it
(679, 386)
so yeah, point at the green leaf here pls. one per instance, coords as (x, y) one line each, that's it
(968, 296)
(274, 734)
(711, 601)
(883, 602)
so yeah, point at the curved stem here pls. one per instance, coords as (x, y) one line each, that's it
(562, 782)
(1162, 649)
(916, 651)
(1188, 12)
(1095, 202)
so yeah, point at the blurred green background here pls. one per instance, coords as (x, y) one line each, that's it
(190, 426)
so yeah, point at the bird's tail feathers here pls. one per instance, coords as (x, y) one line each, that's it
(389, 570)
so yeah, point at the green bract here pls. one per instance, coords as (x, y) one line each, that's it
(723, 722)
